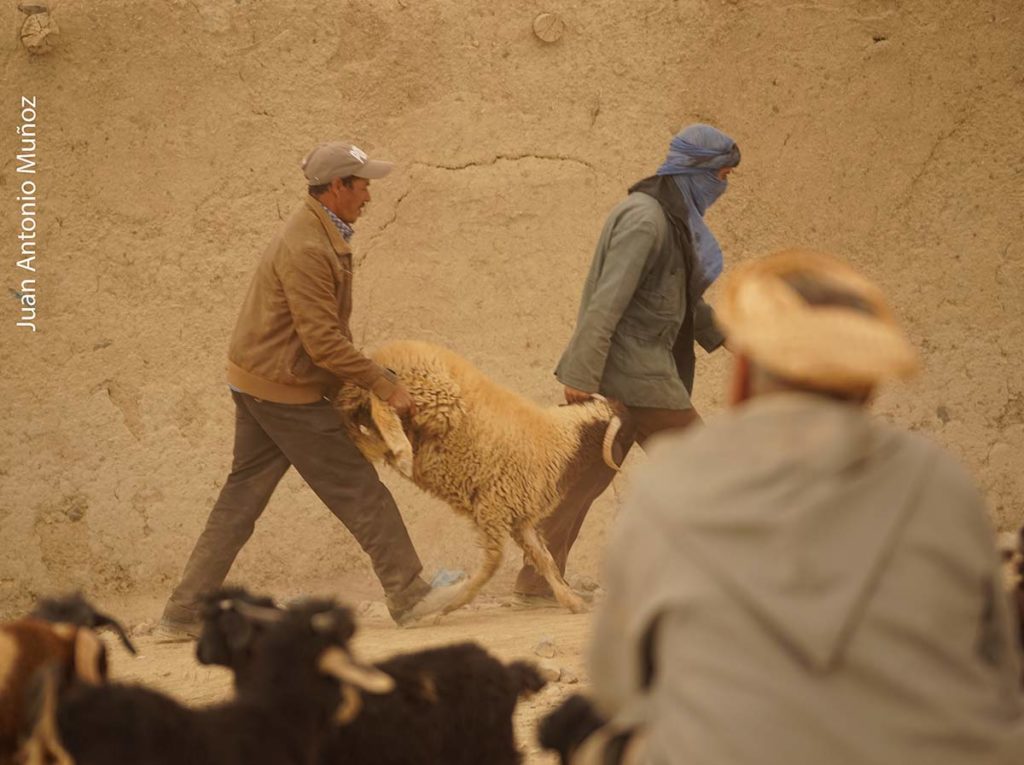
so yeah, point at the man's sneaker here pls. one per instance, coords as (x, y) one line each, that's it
(447, 576)
(168, 631)
(431, 603)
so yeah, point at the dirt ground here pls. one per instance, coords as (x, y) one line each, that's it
(169, 134)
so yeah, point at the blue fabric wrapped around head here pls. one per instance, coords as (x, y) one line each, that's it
(694, 158)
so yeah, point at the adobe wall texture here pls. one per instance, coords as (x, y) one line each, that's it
(169, 140)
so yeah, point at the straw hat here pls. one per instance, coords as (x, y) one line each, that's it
(821, 344)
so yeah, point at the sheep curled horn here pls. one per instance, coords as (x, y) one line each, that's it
(614, 426)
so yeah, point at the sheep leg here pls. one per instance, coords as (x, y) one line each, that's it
(492, 540)
(526, 536)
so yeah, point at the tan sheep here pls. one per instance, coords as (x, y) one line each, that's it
(491, 454)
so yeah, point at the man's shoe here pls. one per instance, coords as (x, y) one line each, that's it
(168, 631)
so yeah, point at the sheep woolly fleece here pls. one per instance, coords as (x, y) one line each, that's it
(488, 452)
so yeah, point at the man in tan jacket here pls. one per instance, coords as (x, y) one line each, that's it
(290, 348)
(800, 583)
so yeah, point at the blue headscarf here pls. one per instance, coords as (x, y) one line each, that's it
(694, 157)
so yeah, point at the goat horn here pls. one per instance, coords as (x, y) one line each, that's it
(102, 620)
(614, 425)
(337, 663)
(258, 613)
(351, 703)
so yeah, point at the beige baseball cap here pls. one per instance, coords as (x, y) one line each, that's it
(337, 159)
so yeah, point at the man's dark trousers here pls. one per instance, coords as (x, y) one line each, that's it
(269, 438)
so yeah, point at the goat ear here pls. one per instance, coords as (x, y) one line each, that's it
(390, 426)
(90, 657)
(337, 663)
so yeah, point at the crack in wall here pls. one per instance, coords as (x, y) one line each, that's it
(394, 213)
(371, 242)
(509, 158)
(482, 163)
(912, 187)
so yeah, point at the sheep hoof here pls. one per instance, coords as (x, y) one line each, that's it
(577, 606)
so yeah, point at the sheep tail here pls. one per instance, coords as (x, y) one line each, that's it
(525, 678)
(614, 425)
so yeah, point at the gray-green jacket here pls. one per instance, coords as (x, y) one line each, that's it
(633, 311)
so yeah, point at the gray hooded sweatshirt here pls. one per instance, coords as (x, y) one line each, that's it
(800, 584)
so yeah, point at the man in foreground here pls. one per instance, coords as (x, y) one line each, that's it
(799, 583)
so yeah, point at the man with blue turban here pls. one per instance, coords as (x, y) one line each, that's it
(641, 311)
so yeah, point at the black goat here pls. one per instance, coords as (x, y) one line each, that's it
(284, 703)
(228, 634)
(451, 705)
